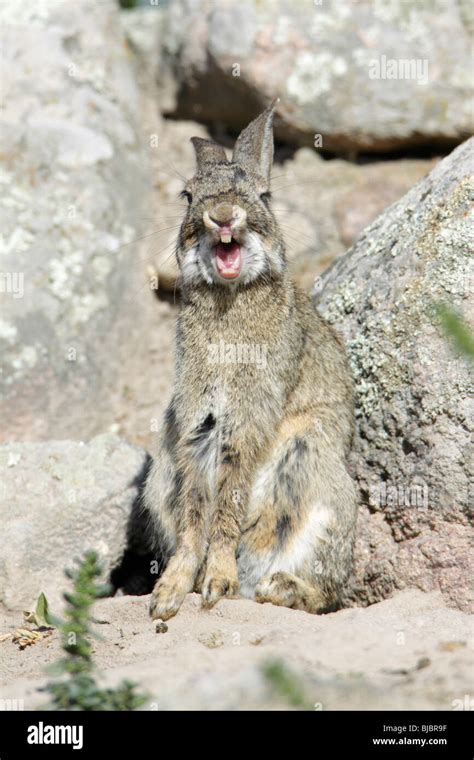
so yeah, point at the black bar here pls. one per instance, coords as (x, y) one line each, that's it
(151, 733)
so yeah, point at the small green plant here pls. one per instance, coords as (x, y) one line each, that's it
(40, 617)
(285, 684)
(77, 689)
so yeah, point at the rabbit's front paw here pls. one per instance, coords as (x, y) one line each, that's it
(218, 583)
(167, 597)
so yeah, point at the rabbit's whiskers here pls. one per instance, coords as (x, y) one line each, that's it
(144, 237)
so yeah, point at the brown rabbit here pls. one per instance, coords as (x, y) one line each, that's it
(249, 491)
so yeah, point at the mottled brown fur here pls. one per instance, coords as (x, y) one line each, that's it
(249, 488)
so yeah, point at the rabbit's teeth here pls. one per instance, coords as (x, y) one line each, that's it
(228, 260)
(226, 237)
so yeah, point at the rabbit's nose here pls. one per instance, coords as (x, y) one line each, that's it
(222, 214)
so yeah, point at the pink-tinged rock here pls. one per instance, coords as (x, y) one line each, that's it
(413, 457)
(369, 77)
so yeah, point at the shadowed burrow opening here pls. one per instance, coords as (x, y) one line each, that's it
(225, 119)
(134, 574)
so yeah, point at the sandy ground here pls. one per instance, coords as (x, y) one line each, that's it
(408, 652)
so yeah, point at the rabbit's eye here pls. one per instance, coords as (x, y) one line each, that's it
(186, 194)
(265, 197)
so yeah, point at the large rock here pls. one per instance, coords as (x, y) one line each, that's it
(413, 447)
(57, 500)
(366, 76)
(74, 188)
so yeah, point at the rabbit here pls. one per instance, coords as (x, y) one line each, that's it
(249, 493)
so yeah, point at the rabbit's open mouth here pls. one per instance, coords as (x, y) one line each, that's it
(228, 258)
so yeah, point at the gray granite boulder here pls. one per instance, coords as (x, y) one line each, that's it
(73, 188)
(365, 76)
(413, 457)
(57, 500)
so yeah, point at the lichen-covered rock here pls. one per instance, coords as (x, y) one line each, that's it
(366, 76)
(57, 500)
(413, 448)
(73, 185)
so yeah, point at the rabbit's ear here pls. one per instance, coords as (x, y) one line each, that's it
(254, 146)
(207, 152)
